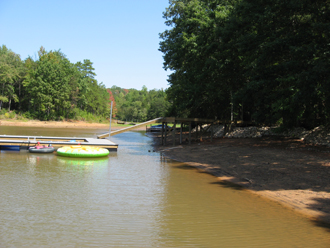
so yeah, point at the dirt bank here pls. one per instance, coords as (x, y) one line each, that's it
(62, 124)
(285, 170)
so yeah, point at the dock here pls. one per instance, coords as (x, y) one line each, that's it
(164, 129)
(157, 120)
(24, 142)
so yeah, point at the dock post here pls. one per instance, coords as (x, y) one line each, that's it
(165, 133)
(174, 129)
(110, 120)
(211, 132)
(162, 133)
(189, 132)
(181, 133)
(196, 131)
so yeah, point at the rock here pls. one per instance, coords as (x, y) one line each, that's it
(318, 136)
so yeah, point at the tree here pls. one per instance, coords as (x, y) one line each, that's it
(140, 105)
(48, 85)
(196, 87)
(265, 60)
(11, 74)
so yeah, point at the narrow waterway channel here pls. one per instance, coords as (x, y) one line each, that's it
(133, 198)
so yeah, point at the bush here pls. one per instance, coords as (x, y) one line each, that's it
(27, 115)
(7, 115)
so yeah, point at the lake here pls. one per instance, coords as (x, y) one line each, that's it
(133, 198)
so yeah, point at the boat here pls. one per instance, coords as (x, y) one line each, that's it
(158, 128)
(78, 151)
(41, 149)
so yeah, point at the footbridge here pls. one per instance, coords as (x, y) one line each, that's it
(197, 123)
(157, 120)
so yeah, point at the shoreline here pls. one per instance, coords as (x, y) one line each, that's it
(286, 171)
(62, 124)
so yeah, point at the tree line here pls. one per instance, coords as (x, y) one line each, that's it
(53, 88)
(138, 105)
(262, 61)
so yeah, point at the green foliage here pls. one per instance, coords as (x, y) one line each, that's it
(11, 73)
(5, 114)
(269, 60)
(139, 105)
(51, 88)
(27, 115)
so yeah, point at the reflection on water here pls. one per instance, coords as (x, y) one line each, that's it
(135, 198)
(83, 163)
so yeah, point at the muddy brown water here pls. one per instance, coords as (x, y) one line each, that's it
(133, 198)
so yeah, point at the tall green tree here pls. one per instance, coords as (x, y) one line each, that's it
(260, 60)
(278, 43)
(196, 87)
(48, 85)
(11, 76)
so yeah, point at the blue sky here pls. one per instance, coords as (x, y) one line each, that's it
(120, 37)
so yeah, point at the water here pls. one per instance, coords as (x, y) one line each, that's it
(133, 198)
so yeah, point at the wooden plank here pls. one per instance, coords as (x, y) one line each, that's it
(40, 138)
(202, 120)
(169, 119)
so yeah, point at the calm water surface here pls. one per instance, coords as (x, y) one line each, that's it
(133, 198)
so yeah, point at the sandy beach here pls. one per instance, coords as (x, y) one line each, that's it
(284, 170)
(287, 171)
(61, 124)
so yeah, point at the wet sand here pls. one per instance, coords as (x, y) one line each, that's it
(287, 171)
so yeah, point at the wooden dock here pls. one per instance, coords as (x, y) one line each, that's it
(157, 120)
(24, 142)
(165, 129)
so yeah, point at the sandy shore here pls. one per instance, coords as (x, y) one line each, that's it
(287, 171)
(62, 124)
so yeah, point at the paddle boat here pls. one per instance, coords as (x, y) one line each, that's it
(78, 151)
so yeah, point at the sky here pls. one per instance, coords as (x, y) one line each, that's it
(120, 37)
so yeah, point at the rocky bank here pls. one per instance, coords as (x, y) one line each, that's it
(317, 136)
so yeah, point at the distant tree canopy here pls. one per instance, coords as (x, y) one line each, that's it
(266, 61)
(139, 105)
(53, 88)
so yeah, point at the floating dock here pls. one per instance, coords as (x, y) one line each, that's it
(24, 142)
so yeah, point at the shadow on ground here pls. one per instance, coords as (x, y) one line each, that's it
(272, 164)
